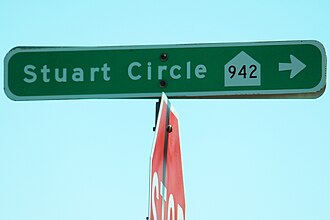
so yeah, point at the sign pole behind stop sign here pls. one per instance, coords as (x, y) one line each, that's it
(167, 199)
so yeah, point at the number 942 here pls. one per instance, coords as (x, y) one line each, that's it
(244, 71)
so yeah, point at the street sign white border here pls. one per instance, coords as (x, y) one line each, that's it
(213, 94)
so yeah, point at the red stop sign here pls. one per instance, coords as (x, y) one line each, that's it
(167, 200)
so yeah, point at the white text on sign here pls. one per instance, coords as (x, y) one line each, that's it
(135, 71)
(158, 188)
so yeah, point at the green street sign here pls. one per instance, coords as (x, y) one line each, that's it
(289, 69)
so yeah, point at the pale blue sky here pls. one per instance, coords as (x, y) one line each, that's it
(89, 159)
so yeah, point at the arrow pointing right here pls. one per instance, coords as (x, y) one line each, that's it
(296, 66)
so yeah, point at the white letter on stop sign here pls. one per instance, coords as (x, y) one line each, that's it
(154, 187)
(180, 213)
(170, 207)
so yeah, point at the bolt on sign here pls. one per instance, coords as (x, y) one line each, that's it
(167, 198)
(288, 69)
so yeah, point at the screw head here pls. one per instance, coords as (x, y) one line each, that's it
(169, 128)
(162, 83)
(163, 57)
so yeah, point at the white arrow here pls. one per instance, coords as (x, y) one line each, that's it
(296, 66)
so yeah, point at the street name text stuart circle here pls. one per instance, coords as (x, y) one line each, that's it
(135, 71)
